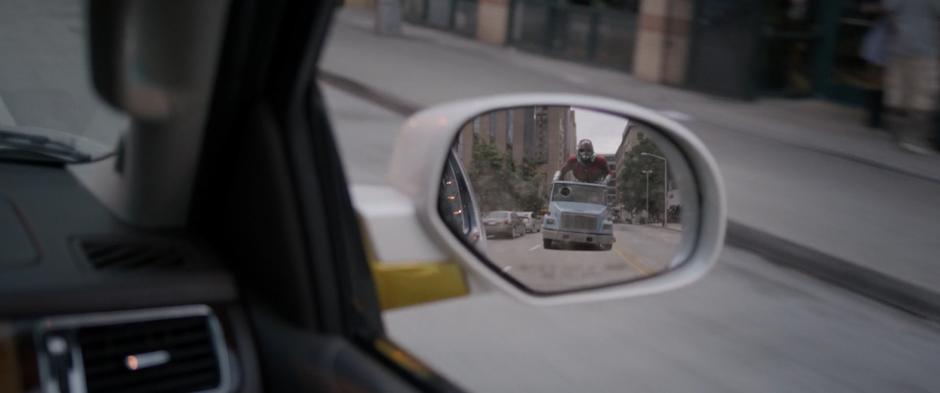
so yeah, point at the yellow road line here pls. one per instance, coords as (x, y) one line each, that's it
(634, 264)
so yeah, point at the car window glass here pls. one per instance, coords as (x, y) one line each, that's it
(45, 84)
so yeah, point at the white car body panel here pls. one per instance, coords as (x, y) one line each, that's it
(392, 224)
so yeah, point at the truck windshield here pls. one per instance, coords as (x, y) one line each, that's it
(500, 214)
(579, 193)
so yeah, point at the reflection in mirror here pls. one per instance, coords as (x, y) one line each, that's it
(568, 198)
(455, 203)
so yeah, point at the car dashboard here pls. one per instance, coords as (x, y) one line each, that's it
(88, 304)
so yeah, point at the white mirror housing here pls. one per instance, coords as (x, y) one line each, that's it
(425, 142)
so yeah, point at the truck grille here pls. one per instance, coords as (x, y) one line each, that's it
(578, 222)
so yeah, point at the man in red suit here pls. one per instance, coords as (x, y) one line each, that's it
(586, 166)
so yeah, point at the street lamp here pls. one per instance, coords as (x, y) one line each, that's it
(647, 172)
(665, 182)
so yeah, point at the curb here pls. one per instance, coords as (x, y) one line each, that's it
(394, 104)
(451, 41)
(837, 271)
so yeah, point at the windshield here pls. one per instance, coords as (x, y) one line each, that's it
(45, 85)
(499, 214)
(579, 193)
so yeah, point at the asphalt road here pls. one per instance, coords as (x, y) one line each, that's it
(779, 174)
(639, 251)
(748, 326)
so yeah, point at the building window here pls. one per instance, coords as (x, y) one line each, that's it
(509, 130)
(491, 123)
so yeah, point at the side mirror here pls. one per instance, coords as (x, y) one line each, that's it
(510, 149)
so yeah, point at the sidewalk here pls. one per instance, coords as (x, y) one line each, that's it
(796, 122)
(804, 172)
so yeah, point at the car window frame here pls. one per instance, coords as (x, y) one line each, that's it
(267, 82)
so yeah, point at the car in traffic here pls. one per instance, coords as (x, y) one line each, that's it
(533, 224)
(578, 215)
(504, 223)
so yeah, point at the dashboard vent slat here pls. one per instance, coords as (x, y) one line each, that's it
(123, 253)
(193, 363)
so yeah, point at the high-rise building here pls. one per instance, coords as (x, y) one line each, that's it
(560, 133)
(544, 136)
(631, 138)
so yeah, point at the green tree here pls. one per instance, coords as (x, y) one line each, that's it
(492, 177)
(531, 193)
(632, 179)
(501, 185)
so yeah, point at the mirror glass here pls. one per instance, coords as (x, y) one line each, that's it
(562, 198)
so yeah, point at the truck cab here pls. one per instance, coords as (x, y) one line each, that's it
(578, 214)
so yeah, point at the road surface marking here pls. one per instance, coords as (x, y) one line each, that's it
(634, 264)
(535, 247)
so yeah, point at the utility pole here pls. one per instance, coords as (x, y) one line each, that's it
(665, 183)
(647, 172)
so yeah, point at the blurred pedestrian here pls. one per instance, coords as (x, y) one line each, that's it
(911, 74)
(874, 50)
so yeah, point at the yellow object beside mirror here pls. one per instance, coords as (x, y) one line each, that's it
(401, 284)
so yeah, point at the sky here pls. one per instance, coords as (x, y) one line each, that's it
(605, 131)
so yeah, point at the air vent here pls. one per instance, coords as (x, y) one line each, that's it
(172, 355)
(119, 253)
(167, 350)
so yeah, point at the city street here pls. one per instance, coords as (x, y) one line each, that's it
(748, 326)
(639, 251)
(791, 169)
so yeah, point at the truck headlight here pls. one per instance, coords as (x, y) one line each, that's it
(549, 221)
(608, 226)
